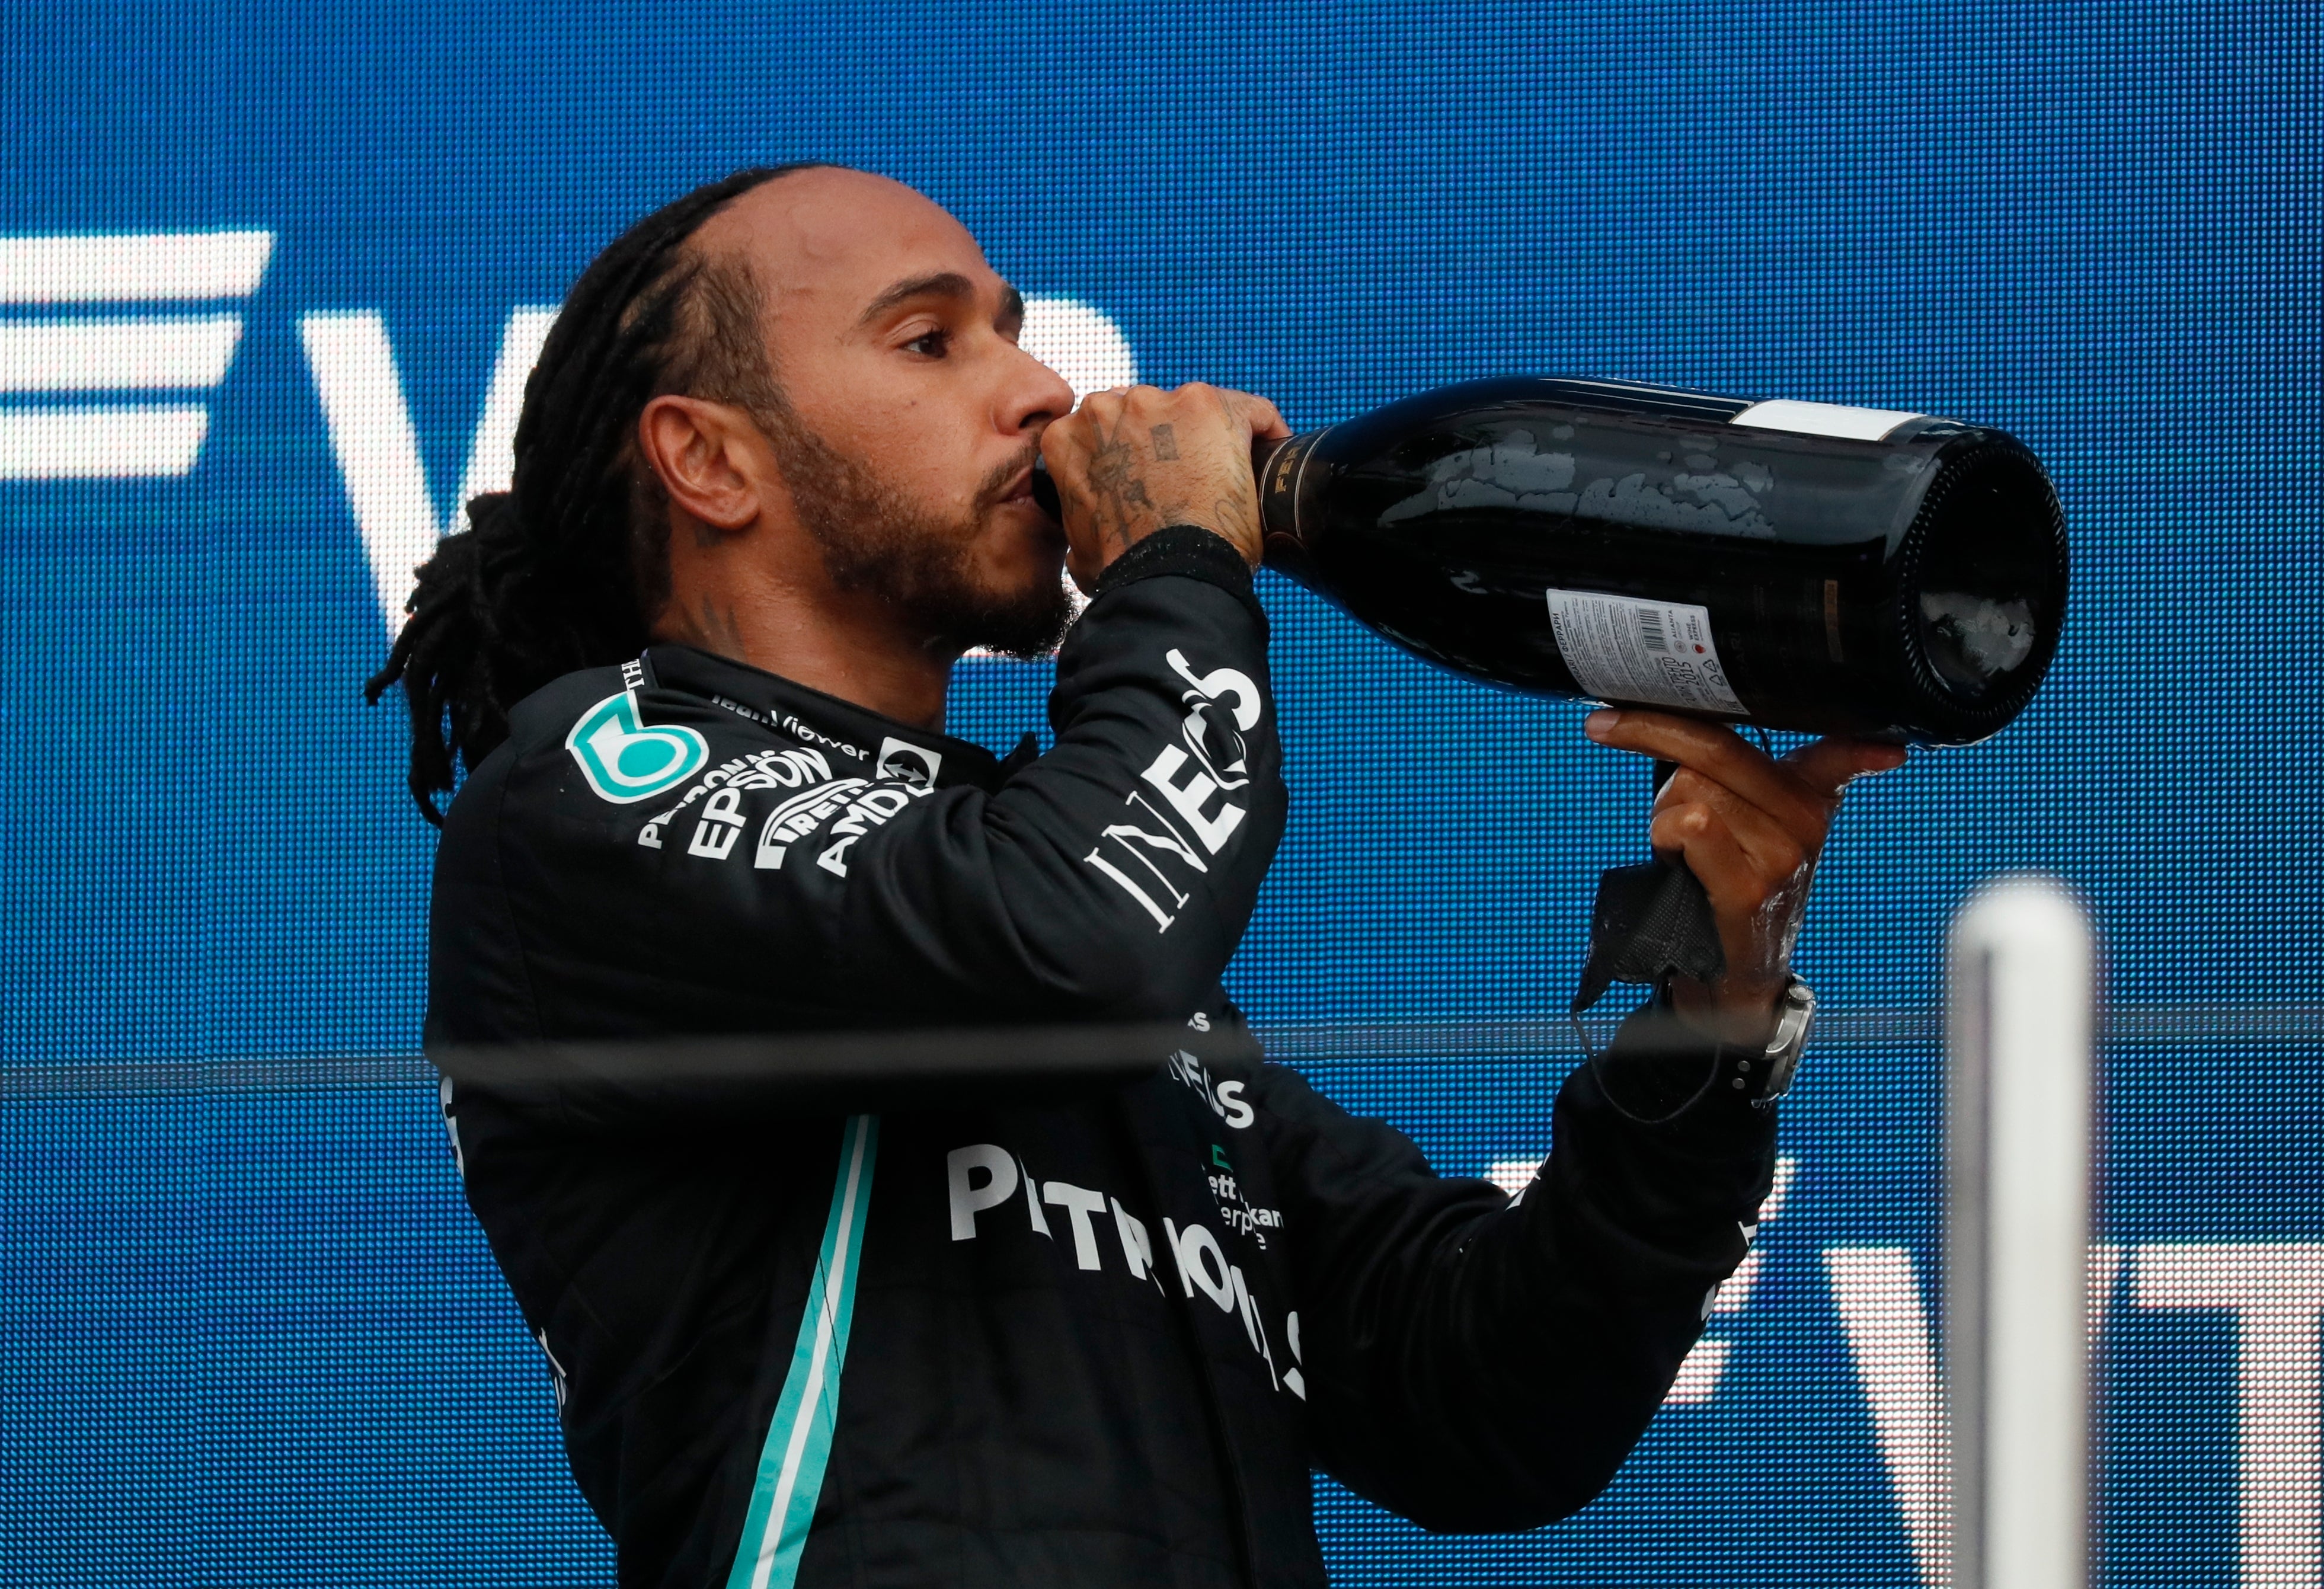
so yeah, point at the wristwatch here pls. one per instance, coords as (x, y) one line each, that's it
(1767, 1075)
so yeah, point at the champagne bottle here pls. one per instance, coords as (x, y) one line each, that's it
(1789, 565)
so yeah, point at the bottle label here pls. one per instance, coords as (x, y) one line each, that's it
(1825, 419)
(1654, 654)
(1280, 479)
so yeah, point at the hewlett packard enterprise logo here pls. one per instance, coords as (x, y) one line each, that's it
(111, 346)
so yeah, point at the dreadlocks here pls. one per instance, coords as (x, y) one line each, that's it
(565, 568)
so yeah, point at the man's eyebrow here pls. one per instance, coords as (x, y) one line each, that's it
(942, 284)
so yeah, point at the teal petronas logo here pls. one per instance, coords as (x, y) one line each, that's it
(625, 760)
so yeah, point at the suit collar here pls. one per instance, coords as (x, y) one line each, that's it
(878, 744)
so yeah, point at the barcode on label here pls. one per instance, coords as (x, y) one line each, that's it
(1657, 653)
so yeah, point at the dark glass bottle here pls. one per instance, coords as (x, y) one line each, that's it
(1796, 566)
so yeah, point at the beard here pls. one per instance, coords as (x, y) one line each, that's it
(920, 564)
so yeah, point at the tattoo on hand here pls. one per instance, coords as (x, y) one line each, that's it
(1166, 442)
(1115, 484)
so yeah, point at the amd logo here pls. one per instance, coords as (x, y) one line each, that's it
(107, 377)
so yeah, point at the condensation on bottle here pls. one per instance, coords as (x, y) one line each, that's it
(1790, 565)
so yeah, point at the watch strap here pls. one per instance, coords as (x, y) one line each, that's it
(1766, 1075)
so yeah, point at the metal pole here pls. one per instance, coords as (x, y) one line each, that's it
(2019, 1017)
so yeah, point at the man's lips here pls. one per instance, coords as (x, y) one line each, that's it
(1020, 491)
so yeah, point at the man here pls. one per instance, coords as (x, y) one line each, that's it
(773, 478)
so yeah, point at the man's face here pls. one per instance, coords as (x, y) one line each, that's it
(914, 417)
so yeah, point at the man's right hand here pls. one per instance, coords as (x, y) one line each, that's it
(1131, 461)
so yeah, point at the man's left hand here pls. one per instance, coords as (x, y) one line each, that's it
(1751, 827)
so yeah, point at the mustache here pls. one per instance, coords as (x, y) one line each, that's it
(996, 484)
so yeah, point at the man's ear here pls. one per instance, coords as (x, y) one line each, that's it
(710, 458)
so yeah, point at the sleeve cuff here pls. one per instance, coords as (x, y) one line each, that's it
(1187, 549)
(1660, 1070)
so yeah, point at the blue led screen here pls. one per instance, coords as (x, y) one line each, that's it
(267, 274)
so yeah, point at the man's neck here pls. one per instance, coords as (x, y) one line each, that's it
(845, 644)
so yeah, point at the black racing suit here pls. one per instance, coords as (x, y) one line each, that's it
(1097, 1340)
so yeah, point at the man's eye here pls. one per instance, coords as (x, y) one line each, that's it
(932, 344)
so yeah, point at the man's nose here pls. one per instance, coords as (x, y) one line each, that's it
(1038, 394)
